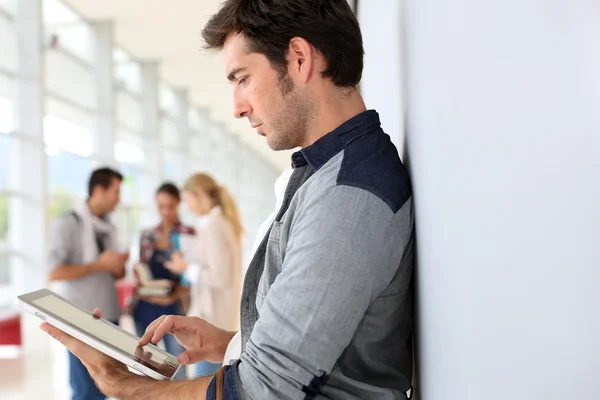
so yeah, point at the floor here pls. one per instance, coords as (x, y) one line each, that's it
(36, 371)
(39, 369)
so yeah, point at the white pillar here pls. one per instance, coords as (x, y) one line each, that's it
(204, 139)
(104, 134)
(28, 206)
(504, 145)
(152, 151)
(28, 222)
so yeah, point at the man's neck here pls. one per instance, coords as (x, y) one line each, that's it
(332, 113)
(95, 208)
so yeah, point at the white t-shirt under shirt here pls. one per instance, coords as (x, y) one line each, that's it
(234, 350)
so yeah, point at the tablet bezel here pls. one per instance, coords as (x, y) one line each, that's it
(27, 302)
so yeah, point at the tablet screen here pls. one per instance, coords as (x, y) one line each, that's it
(111, 335)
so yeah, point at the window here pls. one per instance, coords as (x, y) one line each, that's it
(60, 134)
(6, 116)
(128, 73)
(68, 176)
(68, 147)
(8, 42)
(4, 213)
(9, 6)
(167, 100)
(69, 80)
(169, 134)
(129, 112)
(128, 153)
(71, 31)
(170, 163)
(6, 142)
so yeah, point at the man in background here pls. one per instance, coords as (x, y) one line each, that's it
(85, 263)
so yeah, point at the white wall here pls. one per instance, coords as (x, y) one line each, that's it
(503, 131)
(504, 147)
(382, 78)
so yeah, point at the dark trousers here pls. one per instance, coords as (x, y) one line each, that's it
(82, 384)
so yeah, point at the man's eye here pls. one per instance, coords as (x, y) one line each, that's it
(242, 81)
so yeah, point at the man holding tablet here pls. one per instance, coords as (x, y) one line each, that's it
(326, 308)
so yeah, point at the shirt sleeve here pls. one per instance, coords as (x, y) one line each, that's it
(62, 236)
(344, 249)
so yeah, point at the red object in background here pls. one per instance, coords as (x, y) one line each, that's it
(10, 329)
(126, 289)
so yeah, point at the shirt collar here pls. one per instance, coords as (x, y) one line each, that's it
(317, 154)
(176, 225)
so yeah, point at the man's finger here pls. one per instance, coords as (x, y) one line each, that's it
(145, 339)
(166, 326)
(67, 340)
(192, 356)
(97, 313)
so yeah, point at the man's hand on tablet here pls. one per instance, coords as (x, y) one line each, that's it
(202, 340)
(105, 370)
(114, 379)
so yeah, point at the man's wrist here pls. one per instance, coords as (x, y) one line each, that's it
(93, 266)
(136, 387)
(127, 384)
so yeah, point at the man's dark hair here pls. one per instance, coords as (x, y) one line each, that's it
(330, 26)
(170, 189)
(103, 177)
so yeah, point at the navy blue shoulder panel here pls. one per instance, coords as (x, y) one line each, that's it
(371, 162)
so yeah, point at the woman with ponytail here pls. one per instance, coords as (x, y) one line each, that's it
(216, 272)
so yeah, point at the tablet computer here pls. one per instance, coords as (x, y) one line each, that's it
(100, 334)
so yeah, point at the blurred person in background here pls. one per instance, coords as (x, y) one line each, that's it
(216, 273)
(84, 259)
(156, 246)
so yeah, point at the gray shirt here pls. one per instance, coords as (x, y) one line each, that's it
(96, 290)
(327, 301)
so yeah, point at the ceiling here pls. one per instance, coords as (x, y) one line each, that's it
(169, 32)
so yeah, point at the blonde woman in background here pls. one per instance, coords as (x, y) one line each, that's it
(216, 273)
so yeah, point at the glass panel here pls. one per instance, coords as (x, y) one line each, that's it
(128, 153)
(5, 160)
(73, 33)
(129, 111)
(67, 112)
(128, 72)
(128, 223)
(131, 187)
(59, 205)
(196, 145)
(167, 99)
(4, 209)
(8, 43)
(6, 116)
(10, 6)
(194, 119)
(169, 133)
(170, 166)
(7, 86)
(6, 294)
(68, 176)
(70, 80)
(60, 134)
